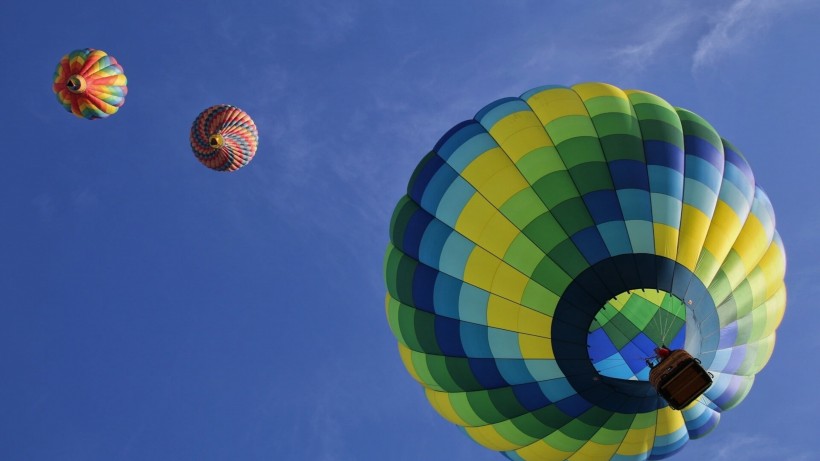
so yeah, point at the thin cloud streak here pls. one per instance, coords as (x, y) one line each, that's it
(737, 26)
(661, 33)
(754, 447)
(326, 22)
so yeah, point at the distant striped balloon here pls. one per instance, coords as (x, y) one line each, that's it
(90, 84)
(547, 245)
(224, 138)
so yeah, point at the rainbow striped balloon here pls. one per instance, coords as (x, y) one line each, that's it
(90, 84)
(548, 245)
(224, 138)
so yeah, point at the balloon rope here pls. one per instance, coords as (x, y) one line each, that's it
(664, 315)
(672, 316)
(611, 367)
(677, 308)
(688, 303)
(657, 322)
(615, 324)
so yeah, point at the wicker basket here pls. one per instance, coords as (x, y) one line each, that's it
(680, 379)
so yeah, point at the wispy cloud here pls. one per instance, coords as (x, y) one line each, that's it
(44, 204)
(660, 32)
(734, 28)
(328, 431)
(327, 22)
(754, 447)
(84, 199)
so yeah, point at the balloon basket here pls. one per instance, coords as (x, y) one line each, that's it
(680, 379)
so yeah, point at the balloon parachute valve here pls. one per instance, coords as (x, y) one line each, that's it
(216, 141)
(76, 84)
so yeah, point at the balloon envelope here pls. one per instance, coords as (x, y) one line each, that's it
(224, 138)
(547, 246)
(90, 84)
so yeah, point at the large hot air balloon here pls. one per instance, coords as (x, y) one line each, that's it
(90, 84)
(548, 246)
(224, 138)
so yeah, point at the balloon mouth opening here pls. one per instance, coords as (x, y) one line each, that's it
(216, 141)
(76, 84)
(627, 329)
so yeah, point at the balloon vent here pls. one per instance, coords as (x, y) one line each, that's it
(216, 141)
(628, 329)
(76, 84)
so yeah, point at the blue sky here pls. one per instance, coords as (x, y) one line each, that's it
(154, 309)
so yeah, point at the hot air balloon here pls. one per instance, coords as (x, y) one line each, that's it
(224, 138)
(546, 247)
(90, 84)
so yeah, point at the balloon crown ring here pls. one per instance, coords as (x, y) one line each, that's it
(76, 84)
(216, 141)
